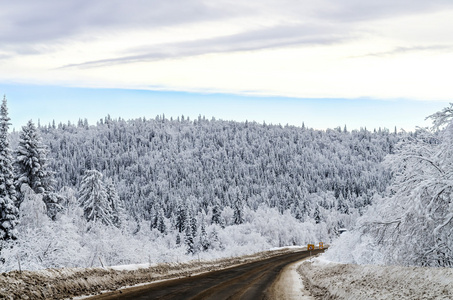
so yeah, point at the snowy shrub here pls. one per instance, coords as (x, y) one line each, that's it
(352, 248)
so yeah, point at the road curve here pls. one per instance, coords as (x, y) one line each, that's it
(247, 281)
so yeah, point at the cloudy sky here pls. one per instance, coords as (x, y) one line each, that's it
(326, 63)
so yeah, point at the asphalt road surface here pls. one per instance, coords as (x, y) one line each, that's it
(248, 281)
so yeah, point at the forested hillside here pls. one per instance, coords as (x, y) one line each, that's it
(200, 164)
(155, 189)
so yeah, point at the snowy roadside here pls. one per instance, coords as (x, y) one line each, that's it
(289, 285)
(74, 282)
(327, 280)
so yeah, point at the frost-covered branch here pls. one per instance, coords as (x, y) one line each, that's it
(442, 117)
(427, 160)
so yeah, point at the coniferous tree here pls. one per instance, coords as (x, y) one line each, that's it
(93, 198)
(8, 211)
(31, 169)
(161, 221)
(31, 161)
(317, 215)
(238, 216)
(193, 225)
(214, 241)
(53, 202)
(114, 201)
(181, 218)
(216, 214)
(204, 241)
(189, 240)
(154, 218)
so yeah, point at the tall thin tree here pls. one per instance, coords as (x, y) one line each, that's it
(8, 211)
(93, 198)
(31, 161)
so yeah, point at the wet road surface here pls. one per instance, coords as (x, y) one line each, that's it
(247, 282)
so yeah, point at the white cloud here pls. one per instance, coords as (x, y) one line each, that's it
(380, 49)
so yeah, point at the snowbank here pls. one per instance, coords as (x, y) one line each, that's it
(289, 285)
(72, 282)
(328, 280)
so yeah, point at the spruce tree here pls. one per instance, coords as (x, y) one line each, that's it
(161, 221)
(154, 218)
(193, 225)
(93, 198)
(114, 201)
(181, 218)
(31, 161)
(317, 215)
(238, 216)
(188, 238)
(8, 211)
(204, 241)
(216, 214)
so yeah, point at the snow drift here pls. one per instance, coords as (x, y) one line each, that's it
(328, 280)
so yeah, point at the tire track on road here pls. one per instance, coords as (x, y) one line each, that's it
(249, 281)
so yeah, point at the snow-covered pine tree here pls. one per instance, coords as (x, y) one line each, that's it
(317, 214)
(114, 202)
(181, 218)
(31, 169)
(194, 225)
(154, 218)
(189, 240)
(8, 211)
(216, 214)
(238, 216)
(214, 240)
(161, 221)
(31, 161)
(93, 198)
(204, 241)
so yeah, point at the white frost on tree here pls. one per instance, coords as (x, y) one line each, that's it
(32, 208)
(116, 206)
(413, 224)
(8, 210)
(93, 198)
(216, 186)
(31, 161)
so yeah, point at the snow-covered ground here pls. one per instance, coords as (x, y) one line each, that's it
(328, 280)
(289, 285)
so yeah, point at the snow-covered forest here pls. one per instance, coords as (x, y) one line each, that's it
(412, 222)
(131, 191)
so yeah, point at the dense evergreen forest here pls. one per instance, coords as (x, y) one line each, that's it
(185, 187)
(201, 164)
